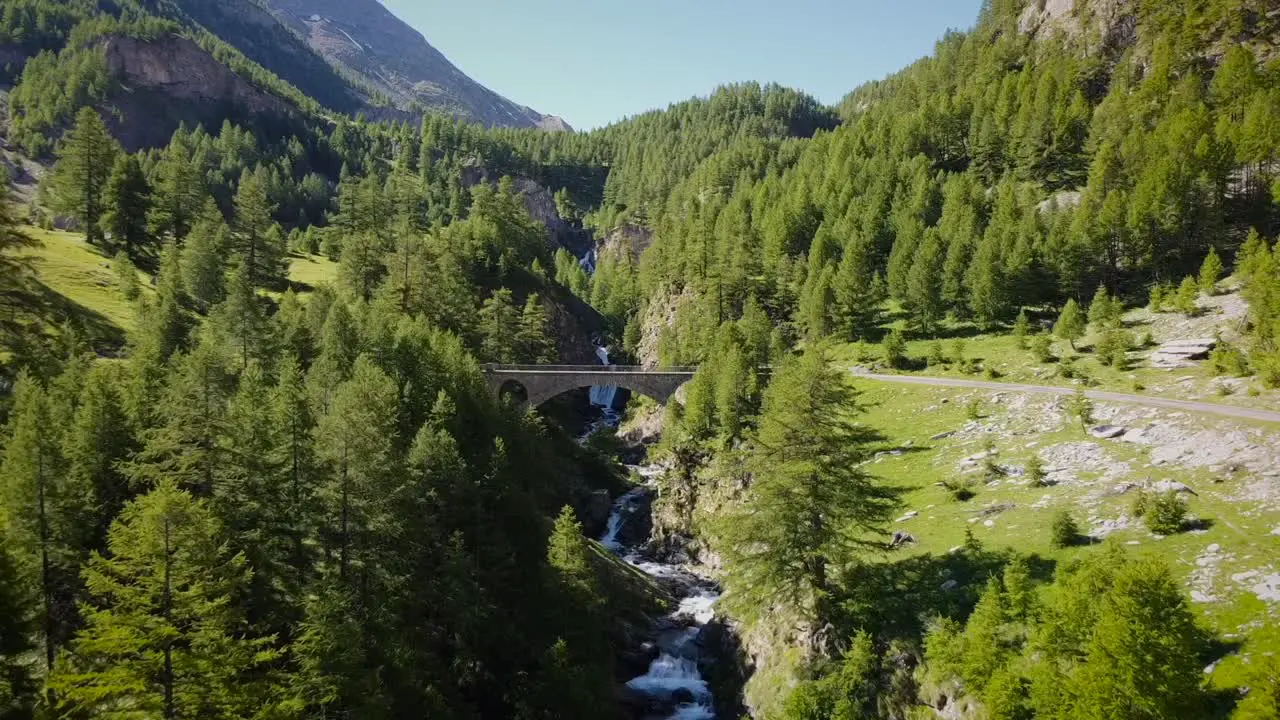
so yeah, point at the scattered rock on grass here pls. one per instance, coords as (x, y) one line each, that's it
(901, 538)
(1165, 486)
(1107, 432)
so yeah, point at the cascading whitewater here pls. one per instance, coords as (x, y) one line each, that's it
(673, 679)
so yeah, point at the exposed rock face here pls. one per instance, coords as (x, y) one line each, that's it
(659, 313)
(574, 323)
(1182, 353)
(172, 80)
(365, 39)
(251, 29)
(634, 239)
(541, 204)
(1113, 24)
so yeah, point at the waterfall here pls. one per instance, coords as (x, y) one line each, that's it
(674, 680)
(604, 396)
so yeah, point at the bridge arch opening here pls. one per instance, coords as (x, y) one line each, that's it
(513, 391)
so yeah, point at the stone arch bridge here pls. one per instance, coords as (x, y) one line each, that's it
(540, 383)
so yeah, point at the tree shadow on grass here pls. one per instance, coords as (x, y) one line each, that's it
(1197, 524)
(1221, 701)
(896, 599)
(55, 310)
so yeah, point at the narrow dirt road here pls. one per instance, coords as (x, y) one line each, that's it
(1101, 395)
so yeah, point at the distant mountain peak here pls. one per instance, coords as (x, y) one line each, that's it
(368, 42)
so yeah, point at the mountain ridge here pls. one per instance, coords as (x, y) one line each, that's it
(365, 39)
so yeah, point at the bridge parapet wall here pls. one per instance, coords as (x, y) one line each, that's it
(543, 382)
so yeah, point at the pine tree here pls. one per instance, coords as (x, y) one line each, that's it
(356, 442)
(735, 384)
(260, 251)
(1188, 293)
(895, 348)
(1022, 328)
(362, 266)
(184, 447)
(818, 304)
(535, 340)
(499, 328)
(98, 441)
(569, 557)
(339, 348)
(240, 321)
(985, 648)
(1210, 272)
(1019, 595)
(924, 284)
(43, 514)
(127, 202)
(180, 193)
(1080, 407)
(164, 635)
(249, 498)
(17, 687)
(1071, 324)
(79, 183)
(295, 456)
(810, 506)
(988, 287)
(204, 259)
(1105, 311)
(699, 418)
(859, 292)
(18, 292)
(1141, 661)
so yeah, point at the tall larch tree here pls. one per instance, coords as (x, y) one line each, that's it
(535, 338)
(17, 628)
(810, 504)
(163, 633)
(44, 515)
(79, 184)
(357, 445)
(258, 249)
(127, 202)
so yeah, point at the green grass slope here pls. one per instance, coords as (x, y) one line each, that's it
(1229, 561)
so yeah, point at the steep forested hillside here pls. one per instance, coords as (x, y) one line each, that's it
(1009, 169)
(291, 500)
(241, 63)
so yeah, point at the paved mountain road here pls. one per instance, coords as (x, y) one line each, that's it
(1101, 395)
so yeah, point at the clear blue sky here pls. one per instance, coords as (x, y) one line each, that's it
(596, 61)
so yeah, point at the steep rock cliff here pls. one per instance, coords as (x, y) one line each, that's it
(369, 43)
(162, 83)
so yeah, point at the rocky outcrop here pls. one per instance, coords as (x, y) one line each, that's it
(162, 83)
(1182, 353)
(540, 202)
(659, 313)
(1110, 24)
(574, 324)
(364, 39)
(633, 239)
